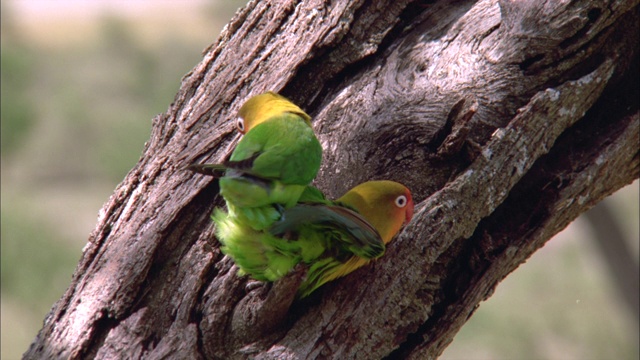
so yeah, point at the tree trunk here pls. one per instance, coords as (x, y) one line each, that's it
(507, 120)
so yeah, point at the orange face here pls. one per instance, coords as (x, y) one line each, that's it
(405, 202)
(386, 205)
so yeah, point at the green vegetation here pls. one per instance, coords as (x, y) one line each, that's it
(75, 116)
(16, 110)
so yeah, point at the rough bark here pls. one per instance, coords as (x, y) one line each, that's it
(506, 119)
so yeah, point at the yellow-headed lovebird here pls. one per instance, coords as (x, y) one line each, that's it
(385, 205)
(332, 237)
(278, 156)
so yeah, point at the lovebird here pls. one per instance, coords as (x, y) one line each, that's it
(278, 156)
(385, 205)
(333, 238)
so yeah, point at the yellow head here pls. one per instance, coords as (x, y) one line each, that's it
(386, 205)
(264, 106)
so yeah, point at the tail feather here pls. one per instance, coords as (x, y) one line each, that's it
(328, 269)
(215, 170)
(256, 253)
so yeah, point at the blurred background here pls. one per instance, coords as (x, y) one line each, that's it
(81, 81)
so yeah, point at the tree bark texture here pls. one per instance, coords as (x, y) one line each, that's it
(506, 119)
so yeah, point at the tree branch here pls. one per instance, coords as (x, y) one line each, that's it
(506, 119)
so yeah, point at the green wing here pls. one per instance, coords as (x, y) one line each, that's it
(283, 148)
(259, 254)
(312, 194)
(268, 170)
(348, 231)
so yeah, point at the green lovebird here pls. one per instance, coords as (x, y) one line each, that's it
(278, 156)
(332, 237)
(385, 205)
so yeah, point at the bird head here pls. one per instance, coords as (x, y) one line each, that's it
(386, 205)
(264, 106)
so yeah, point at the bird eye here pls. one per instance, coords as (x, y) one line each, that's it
(240, 124)
(401, 201)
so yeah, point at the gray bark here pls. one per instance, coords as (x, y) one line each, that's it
(506, 119)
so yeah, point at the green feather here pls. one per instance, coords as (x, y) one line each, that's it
(307, 233)
(282, 148)
(312, 194)
(275, 220)
(347, 228)
(268, 169)
(331, 237)
(258, 253)
(286, 157)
